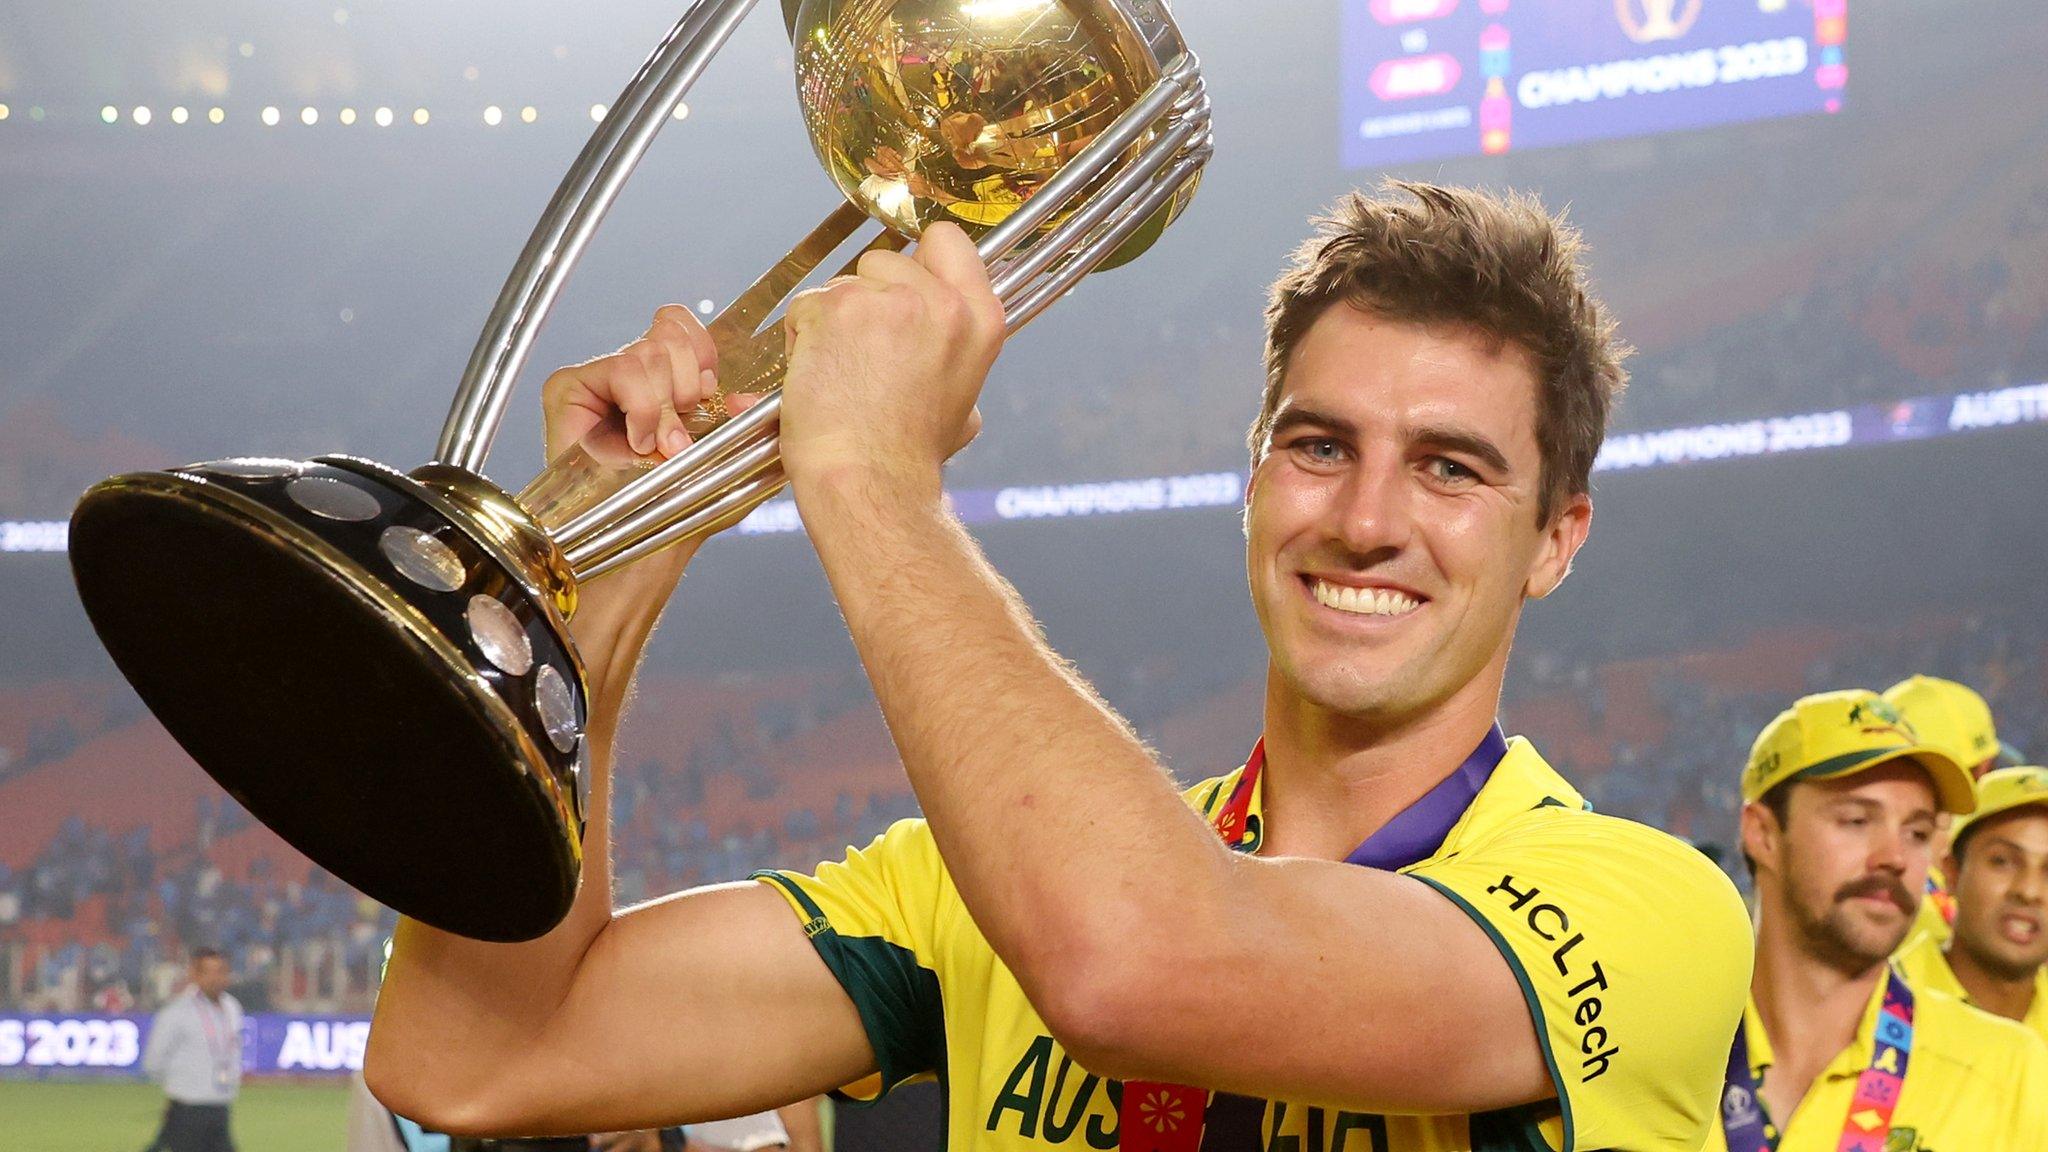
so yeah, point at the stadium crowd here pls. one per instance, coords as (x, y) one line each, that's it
(1664, 752)
(134, 913)
(1864, 323)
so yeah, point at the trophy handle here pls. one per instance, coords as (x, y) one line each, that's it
(572, 216)
(751, 361)
(734, 468)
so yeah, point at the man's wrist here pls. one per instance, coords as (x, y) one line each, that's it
(618, 614)
(867, 494)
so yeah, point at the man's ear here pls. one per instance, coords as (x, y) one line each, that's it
(1762, 838)
(1562, 538)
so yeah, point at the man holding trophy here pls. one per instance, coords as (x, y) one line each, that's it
(1392, 928)
(1506, 969)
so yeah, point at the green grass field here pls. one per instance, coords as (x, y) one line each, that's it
(75, 1116)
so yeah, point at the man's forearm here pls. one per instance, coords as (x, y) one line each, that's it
(1057, 825)
(469, 1002)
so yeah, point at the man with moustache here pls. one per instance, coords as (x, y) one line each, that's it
(1392, 929)
(2000, 864)
(1838, 1052)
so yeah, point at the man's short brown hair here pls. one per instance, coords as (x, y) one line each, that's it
(1500, 265)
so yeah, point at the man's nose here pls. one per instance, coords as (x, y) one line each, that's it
(1374, 513)
(1888, 849)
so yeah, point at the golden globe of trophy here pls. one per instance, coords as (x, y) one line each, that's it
(377, 664)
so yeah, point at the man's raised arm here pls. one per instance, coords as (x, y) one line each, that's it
(700, 1006)
(1122, 915)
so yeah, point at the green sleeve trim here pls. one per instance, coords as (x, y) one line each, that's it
(1507, 952)
(898, 999)
(1508, 1130)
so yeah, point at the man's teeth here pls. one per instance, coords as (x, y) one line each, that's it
(1365, 601)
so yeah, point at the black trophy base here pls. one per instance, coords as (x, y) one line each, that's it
(361, 668)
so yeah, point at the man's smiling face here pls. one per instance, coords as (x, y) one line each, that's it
(1392, 528)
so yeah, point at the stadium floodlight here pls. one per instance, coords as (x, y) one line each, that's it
(378, 664)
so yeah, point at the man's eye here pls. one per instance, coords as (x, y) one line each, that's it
(1450, 471)
(1320, 449)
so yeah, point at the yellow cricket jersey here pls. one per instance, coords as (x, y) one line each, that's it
(1925, 964)
(1974, 1083)
(1632, 949)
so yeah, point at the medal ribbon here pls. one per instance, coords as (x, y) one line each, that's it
(224, 1056)
(1877, 1089)
(1869, 1122)
(1742, 1107)
(1155, 1117)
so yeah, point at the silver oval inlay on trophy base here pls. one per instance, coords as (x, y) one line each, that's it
(254, 468)
(557, 706)
(333, 499)
(499, 636)
(422, 559)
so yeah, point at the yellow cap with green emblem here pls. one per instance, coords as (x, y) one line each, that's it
(1833, 734)
(2005, 790)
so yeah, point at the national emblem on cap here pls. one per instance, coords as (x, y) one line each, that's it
(1833, 734)
(1948, 715)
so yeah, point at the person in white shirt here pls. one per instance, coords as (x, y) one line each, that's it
(195, 1053)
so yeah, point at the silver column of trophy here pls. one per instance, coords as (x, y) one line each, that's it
(378, 665)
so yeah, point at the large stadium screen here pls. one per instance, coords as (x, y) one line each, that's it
(1426, 79)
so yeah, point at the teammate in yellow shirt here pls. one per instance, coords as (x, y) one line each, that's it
(1392, 930)
(1955, 719)
(1838, 1052)
(1999, 860)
